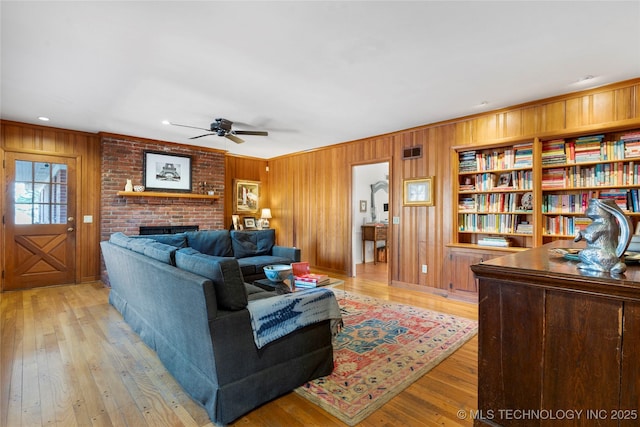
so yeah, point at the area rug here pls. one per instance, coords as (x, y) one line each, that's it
(382, 349)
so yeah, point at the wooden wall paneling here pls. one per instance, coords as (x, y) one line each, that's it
(85, 147)
(463, 132)
(89, 204)
(251, 169)
(530, 117)
(603, 107)
(627, 103)
(552, 116)
(486, 127)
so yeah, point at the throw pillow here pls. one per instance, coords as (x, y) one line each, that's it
(252, 243)
(210, 242)
(161, 252)
(179, 240)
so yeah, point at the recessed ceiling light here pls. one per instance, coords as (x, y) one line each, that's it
(166, 122)
(43, 118)
(585, 79)
(483, 104)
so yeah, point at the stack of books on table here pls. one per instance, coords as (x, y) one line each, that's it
(303, 278)
(311, 280)
(497, 241)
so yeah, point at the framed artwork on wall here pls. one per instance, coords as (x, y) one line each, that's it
(418, 191)
(166, 172)
(363, 205)
(246, 196)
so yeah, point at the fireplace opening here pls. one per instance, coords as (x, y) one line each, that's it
(167, 229)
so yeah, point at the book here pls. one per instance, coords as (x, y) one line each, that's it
(299, 268)
(312, 278)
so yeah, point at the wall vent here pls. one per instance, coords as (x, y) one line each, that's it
(414, 152)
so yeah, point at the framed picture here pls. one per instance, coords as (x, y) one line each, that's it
(235, 222)
(246, 196)
(418, 192)
(249, 222)
(363, 205)
(166, 172)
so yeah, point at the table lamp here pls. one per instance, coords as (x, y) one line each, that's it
(265, 217)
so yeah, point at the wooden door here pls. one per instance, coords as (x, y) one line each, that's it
(39, 221)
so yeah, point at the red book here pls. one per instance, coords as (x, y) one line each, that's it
(300, 268)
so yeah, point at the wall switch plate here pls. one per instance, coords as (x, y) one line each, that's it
(424, 268)
(87, 219)
(396, 220)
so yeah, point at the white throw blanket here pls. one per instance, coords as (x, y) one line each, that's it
(273, 318)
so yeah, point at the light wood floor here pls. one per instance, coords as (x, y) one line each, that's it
(67, 358)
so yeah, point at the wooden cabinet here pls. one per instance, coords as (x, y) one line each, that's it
(375, 233)
(554, 340)
(463, 282)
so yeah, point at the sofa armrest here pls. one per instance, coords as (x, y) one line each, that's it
(286, 252)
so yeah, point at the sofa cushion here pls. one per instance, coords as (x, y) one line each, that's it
(252, 243)
(161, 252)
(139, 245)
(211, 242)
(224, 272)
(179, 240)
(120, 239)
(254, 292)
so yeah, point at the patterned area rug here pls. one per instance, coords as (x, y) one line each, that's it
(382, 349)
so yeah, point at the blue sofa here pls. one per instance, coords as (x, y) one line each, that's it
(194, 310)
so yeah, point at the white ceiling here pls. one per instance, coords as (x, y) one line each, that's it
(310, 73)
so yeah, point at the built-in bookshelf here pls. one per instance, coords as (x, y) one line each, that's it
(495, 195)
(576, 169)
(524, 194)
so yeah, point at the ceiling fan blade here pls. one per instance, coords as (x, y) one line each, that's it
(187, 126)
(200, 136)
(251, 132)
(234, 138)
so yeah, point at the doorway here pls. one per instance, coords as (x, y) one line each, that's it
(370, 215)
(39, 221)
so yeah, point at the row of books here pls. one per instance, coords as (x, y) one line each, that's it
(567, 203)
(488, 223)
(590, 149)
(565, 225)
(626, 199)
(602, 174)
(519, 156)
(514, 180)
(496, 241)
(491, 202)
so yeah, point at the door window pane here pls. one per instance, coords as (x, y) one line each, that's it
(41, 192)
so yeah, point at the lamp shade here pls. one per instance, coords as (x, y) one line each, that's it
(266, 213)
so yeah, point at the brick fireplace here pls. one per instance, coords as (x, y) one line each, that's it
(122, 159)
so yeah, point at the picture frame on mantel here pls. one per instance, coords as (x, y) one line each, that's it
(246, 196)
(166, 172)
(418, 191)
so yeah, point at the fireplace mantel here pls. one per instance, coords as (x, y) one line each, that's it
(166, 194)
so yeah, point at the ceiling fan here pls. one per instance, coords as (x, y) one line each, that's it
(222, 127)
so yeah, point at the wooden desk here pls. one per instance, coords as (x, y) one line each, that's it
(553, 338)
(375, 233)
